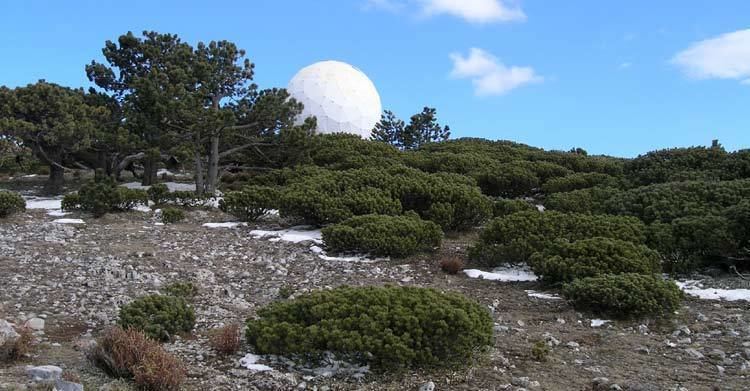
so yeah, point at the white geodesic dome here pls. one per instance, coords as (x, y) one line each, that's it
(340, 96)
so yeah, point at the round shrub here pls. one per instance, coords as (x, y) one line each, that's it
(629, 295)
(514, 238)
(576, 181)
(158, 193)
(504, 207)
(564, 261)
(10, 203)
(388, 327)
(251, 203)
(509, 180)
(158, 316)
(397, 236)
(591, 200)
(102, 195)
(172, 215)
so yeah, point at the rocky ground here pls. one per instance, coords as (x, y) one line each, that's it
(68, 282)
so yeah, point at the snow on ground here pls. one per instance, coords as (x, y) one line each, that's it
(57, 213)
(504, 273)
(294, 235)
(68, 221)
(172, 186)
(695, 288)
(304, 233)
(43, 203)
(231, 224)
(542, 295)
(599, 322)
(142, 208)
(249, 362)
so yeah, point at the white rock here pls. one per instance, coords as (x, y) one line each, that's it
(44, 372)
(35, 324)
(429, 386)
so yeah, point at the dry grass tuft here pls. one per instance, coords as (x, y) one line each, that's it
(18, 348)
(226, 340)
(452, 264)
(129, 353)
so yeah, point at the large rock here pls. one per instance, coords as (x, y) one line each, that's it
(44, 373)
(36, 324)
(8, 333)
(63, 385)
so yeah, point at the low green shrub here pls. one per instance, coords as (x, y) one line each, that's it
(171, 215)
(397, 236)
(629, 295)
(158, 316)
(514, 238)
(508, 180)
(564, 261)
(504, 207)
(181, 289)
(591, 200)
(388, 327)
(579, 180)
(11, 203)
(102, 195)
(251, 203)
(187, 198)
(158, 193)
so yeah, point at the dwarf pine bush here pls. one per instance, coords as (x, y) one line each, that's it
(158, 316)
(11, 203)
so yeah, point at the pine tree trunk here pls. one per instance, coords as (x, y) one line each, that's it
(213, 166)
(149, 171)
(199, 185)
(55, 181)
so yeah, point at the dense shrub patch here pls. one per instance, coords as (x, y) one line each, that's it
(590, 200)
(576, 181)
(158, 316)
(251, 203)
(504, 207)
(509, 180)
(171, 215)
(624, 295)
(102, 195)
(515, 237)
(10, 203)
(564, 261)
(158, 193)
(388, 327)
(397, 236)
(131, 354)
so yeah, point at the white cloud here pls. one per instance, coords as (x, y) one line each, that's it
(475, 11)
(488, 75)
(726, 56)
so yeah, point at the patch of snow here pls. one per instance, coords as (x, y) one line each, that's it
(231, 224)
(504, 273)
(250, 362)
(163, 171)
(30, 176)
(57, 213)
(695, 288)
(599, 322)
(69, 221)
(142, 208)
(542, 295)
(294, 235)
(352, 258)
(172, 186)
(53, 203)
(158, 224)
(540, 208)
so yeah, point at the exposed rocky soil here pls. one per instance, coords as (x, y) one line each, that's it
(74, 278)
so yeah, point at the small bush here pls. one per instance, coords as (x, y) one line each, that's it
(564, 261)
(509, 180)
(452, 264)
(172, 215)
(181, 289)
(251, 203)
(539, 351)
(504, 207)
(186, 198)
(158, 193)
(397, 236)
(514, 238)
(624, 295)
(226, 340)
(10, 203)
(130, 354)
(158, 316)
(102, 195)
(388, 327)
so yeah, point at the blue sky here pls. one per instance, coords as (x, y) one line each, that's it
(614, 77)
